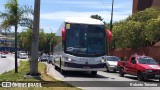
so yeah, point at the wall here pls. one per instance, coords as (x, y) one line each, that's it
(148, 51)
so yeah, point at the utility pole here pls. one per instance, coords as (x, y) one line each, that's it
(111, 16)
(50, 43)
(111, 24)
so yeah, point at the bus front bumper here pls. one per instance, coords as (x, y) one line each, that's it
(83, 67)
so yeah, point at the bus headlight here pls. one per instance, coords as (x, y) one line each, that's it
(149, 71)
(69, 59)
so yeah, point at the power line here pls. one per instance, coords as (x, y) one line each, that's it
(102, 2)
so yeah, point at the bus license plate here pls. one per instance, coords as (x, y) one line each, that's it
(157, 76)
(86, 67)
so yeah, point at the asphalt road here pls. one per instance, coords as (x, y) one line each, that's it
(100, 81)
(6, 64)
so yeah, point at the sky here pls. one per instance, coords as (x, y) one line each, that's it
(53, 12)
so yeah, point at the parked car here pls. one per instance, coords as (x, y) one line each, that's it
(43, 58)
(23, 56)
(3, 55)
(111, 63)
(18, 53)
(49, 59)
(144, 67)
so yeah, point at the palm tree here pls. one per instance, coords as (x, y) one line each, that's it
(35, 40)
(14, 16)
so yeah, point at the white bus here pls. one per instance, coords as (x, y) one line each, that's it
(83, 45)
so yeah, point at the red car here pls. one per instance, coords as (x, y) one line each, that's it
(144, 67)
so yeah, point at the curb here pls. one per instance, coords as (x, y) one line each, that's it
(61, 80)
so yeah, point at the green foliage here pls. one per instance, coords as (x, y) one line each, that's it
(143, 16)
(25, 39)
(128, 35)
(107, 26)
(15, 14)
(138, 30)
(97, 17)
(152, 30)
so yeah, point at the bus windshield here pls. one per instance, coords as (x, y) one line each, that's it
(86, 40)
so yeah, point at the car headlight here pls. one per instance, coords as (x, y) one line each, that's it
(103, 60)
(149, 71)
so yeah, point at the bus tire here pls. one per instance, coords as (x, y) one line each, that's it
(93, 73)
(56, 67)
(62, 71)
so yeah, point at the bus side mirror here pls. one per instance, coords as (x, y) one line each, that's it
(109, 34)
(63, 34)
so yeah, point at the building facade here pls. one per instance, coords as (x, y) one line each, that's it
(139, 5)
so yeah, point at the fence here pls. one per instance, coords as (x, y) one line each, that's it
(124, 54)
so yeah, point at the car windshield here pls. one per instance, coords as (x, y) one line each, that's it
(45, 56)
(24, 54)
(85, 39)
(113, 58)
(146, 60)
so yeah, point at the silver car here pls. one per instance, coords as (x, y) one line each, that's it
(111, 63)
(3, 56)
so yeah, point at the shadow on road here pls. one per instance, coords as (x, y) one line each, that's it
(135, 78)
(83, 74)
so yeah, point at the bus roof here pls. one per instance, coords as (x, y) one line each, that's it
(83, 20)
(79, 20)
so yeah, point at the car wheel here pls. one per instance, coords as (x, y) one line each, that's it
(114, 70)
(93, 73)
(121, 73)
(107, 69)
(140, 76)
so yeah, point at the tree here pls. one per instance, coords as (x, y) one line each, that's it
(138, 30)
(152, 31)
(12, 16)
(24, 39)
(35, 40)
(97, 17)
(128, 35)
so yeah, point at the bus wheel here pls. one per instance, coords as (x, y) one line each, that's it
(62, 71)
(55, 67)
(93, 73)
